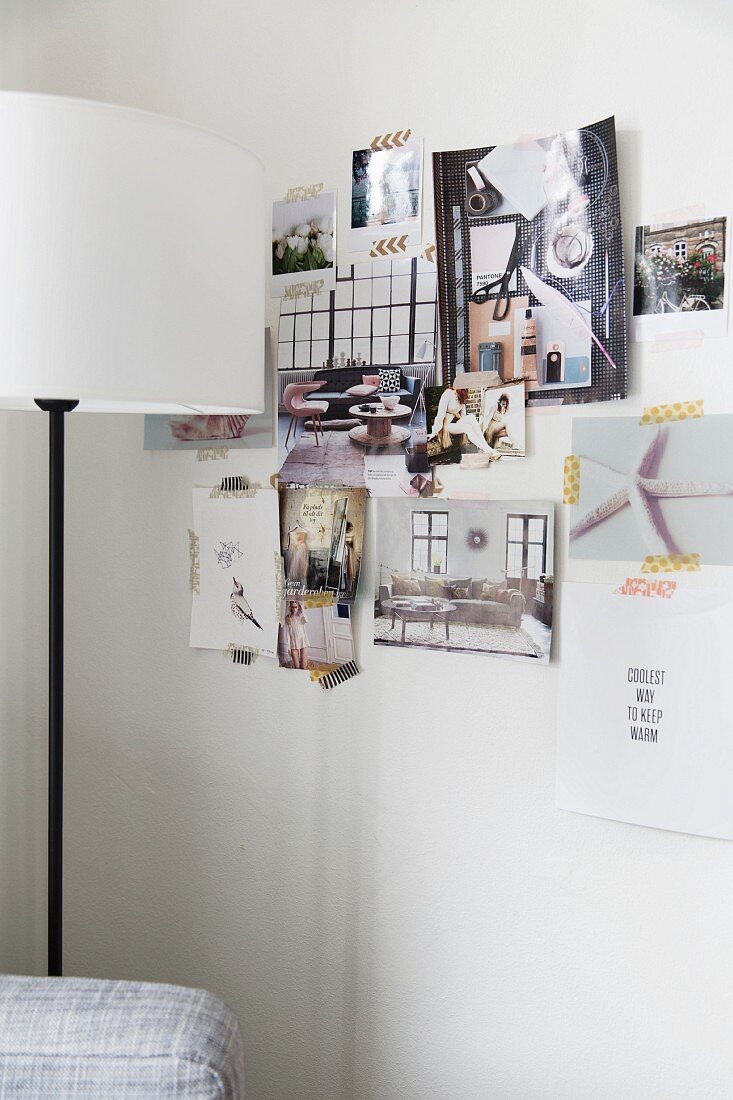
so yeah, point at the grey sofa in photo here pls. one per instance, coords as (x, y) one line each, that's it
(85, 1039)
(505, 606)
(339, 379)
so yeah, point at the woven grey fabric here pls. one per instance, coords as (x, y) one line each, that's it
(79, 1038)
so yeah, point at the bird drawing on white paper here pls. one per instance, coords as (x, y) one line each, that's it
(240, 608)
(636, 488)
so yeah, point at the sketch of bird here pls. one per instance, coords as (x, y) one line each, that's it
(240, 608)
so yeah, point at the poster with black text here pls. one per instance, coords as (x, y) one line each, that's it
(644, 727)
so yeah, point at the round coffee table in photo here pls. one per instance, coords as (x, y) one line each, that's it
(420, 609)
(378, 428)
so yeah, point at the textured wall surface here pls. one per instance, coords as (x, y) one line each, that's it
(375, 878)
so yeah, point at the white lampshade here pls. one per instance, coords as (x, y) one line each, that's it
(131, 261)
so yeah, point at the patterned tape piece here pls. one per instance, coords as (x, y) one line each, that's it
(394, 140)
(211, 454)
(389, 246)
(319, 599)
(671, 563)
(194, 564)
(680, 410)
(241, 654)
(303, 290)
(333, 675)
(240, 489)
(303, 192)
(279, 585)
(571, 480)
(638, 586)
(428, 254)
(676, 341)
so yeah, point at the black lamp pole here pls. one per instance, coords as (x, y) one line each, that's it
(56, 410)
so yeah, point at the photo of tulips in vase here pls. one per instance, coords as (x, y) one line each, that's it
(304, 242)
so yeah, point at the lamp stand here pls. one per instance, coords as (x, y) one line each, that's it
(56, 410)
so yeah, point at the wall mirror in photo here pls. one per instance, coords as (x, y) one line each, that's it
(653, 489)
(352, 368)
(304, 243)
(465, 576)
(679, 279)
(531, 265)
(321, 540)
(189, 433)
(386, 193)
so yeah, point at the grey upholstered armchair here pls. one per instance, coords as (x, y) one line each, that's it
(83, 1039)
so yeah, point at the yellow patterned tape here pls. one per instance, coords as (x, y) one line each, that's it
(571, 480)
(319, 673)
(664, 414)
(320, 599)
(671, 563)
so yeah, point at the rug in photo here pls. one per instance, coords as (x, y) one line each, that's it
(679, 278)
(465, 576)
(321, 540)
(315, 633)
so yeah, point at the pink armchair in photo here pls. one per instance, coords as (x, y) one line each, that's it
(296, 404)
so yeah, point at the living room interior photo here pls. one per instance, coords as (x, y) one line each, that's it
(338, 353)
(486, 578)
(417, 785)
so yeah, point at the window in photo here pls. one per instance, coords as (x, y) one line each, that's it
(430, 541)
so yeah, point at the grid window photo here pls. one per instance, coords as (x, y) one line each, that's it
(385, 311)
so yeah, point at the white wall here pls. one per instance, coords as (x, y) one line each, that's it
(376, 880)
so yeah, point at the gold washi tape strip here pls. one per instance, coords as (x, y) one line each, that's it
(332, 675)
(219, 492)
(396, 139)
(389, 246)
(241, 654)
(671, 563)
(571, 480)
(304, 290)
(664, 414)
(211, 454)
(194, 563)
(303, 192)
(428, 254)
(279, 585)
(318, 599)
(638, 586)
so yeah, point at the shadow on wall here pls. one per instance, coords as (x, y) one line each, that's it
(270, 849)
(23, 690)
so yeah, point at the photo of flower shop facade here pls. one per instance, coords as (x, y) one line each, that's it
(705, 238)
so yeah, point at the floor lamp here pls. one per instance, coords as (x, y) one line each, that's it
(131, 280)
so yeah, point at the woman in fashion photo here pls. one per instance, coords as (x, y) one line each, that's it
(297, 557)
(493, 420)
(452, 420)
(297, 634)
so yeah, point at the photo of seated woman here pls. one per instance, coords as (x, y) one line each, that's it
(487, 419)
